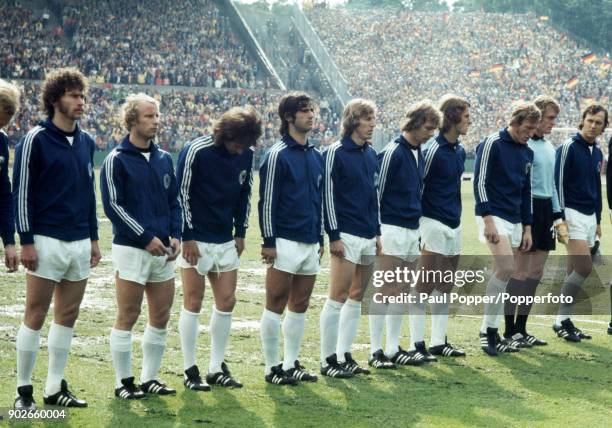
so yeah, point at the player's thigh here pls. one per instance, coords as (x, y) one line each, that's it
(159, 300)
(340, 278)
(39, 293)
(278, 286)
(223, 285)
(68, 297)
(301, 290)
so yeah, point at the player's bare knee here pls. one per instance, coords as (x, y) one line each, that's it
(227, 304)
(34, 318)
(192, 303)
(583, 268)
(67, 316)
(356, 294)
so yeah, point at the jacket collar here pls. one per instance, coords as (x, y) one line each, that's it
(349, 145)
(48, 124)
(127, 146)
(578, 138)
(291, 143)
(402, 140)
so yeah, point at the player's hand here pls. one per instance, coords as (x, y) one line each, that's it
(175, 249)
(191, 252)
(268, 255)
(562, 233)
(29, 258)
(378, 246)
(96, 255)
(490, 231)
(526, 242)
(239, 242)
(11, 259)
(598, 230)
(156, 247)
(336, 248)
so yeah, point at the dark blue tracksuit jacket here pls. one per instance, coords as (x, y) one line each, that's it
(401, 184)
(7, 216)
(444, 166)
(502, 178)
(215, 191)
(290, 193)
(350, 199)
(578, 176)
(53, 185)
(140, 197)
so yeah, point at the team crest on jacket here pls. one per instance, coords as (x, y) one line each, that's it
(1, 160)
(242, 177)
(376, 179)
(319, 180)
(89, 169)
(528, 168)
(166, 181)
(599, 165)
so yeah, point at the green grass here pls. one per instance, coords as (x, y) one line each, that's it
(561, 384)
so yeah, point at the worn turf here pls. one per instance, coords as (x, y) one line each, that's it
(562, 384)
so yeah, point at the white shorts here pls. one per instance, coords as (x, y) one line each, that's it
(581, 226)
(439, 238)
(297, 258)
(360, 251)
(513, 231)
(136, 265)
(400, 242)
(59, 260)
(215, 258)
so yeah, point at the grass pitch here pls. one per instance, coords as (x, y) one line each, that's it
(561, 384)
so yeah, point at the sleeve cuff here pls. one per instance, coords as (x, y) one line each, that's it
(557, 215)
(26, 238)
(240, 232)
(269, 242)
(145, 238)
(8, 240)
(93, 235)
(334, 235)
(187, 234)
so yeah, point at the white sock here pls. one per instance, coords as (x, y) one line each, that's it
(328, 324)
(572, 284)
(58, 344)
(376, 320)
(27, 344)
(416, 322)
(493, 312)
(350, 315)
(188, 332)
(394, 318)
(220, 325)
(153, 346)
(439, 320)
(270, 332)
(293, 331)
(121, 353)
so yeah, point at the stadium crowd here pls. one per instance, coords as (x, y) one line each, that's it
(186, 114)
(162, 42)
(480, 56)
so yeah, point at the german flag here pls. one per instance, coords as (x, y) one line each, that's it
(571, 82)
(588, 58)
(496, 68)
